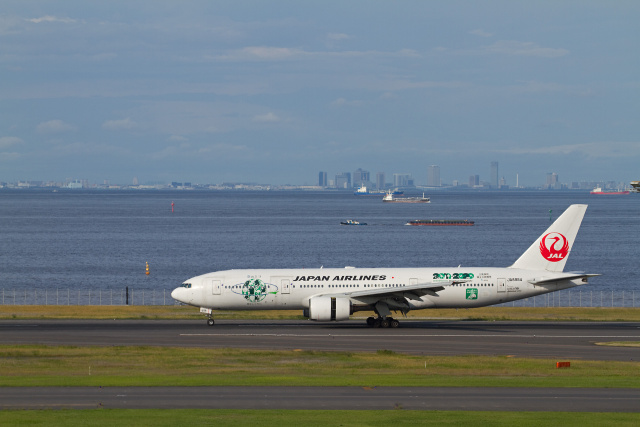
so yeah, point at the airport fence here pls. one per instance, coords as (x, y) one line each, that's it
(579, 298)
(130, 296)
(126, 296)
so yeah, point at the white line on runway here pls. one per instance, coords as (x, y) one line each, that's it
(409, 336)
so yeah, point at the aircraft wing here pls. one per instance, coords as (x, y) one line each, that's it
(413, 292)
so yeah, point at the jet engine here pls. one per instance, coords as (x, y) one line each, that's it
(325, 308)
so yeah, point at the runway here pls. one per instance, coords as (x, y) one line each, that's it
(555, 340)
(379, 398)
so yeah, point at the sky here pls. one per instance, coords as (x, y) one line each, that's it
(276, 91)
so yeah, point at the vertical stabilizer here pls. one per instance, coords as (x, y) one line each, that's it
(551, 250)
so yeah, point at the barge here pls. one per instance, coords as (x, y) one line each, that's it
(441, 222)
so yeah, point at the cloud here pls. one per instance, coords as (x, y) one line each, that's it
(49, 18)
(595, 150)
(8, 157)
(270, 53)
(104, 57)
(54, 126)
(401, 84)
(266, 118)
(187, 151)
(509, 47)
(342, 101)
(8, 141)
(480, 33)
(122, 124)
(337, 36)
(177, 138)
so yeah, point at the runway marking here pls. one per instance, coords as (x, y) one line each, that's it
(410, 336)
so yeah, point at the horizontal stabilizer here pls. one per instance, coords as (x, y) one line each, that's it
(569, 276)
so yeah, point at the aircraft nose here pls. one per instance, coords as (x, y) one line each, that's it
(178, 294)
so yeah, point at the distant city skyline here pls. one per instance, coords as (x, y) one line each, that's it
(273, 92)
(347, 181)
(494, 180)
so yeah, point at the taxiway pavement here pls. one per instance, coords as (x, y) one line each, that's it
(417, 398)
(555, 340)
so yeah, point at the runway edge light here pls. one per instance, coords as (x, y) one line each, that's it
(563, 365)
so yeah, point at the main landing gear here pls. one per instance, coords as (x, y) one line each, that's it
(210, 321)
(382, 322)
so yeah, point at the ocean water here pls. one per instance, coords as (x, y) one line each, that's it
(100, 240)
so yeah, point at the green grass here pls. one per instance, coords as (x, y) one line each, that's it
(34, 365)
(279, 418)
(190, 313)
(620, 343)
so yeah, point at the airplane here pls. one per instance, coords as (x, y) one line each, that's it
(333, 294)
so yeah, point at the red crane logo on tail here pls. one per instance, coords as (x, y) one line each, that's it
(554, 247)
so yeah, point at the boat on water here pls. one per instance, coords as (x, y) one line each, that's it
(441, 222)
(363, 191)
(599, 190)
(352, 222)
(635, 186)
(390, 198)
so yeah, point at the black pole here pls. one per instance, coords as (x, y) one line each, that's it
(127, 295)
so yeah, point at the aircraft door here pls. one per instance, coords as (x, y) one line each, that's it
(502, 285)
(216, 286)
(283, 284)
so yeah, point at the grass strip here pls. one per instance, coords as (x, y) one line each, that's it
(321, 418)
(190, 313)
(620, 343)
(37, 365)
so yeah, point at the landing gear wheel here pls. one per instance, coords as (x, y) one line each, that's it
(384, 323)
(210, 322)
(394, 323)
(371, 321)
(377, 323)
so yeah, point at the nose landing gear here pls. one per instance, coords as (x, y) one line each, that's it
(209, 314)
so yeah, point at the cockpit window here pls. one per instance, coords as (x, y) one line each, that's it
(186, 285)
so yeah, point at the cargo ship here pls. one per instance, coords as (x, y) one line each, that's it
(390, 198)
(598, 190)
(441, 222)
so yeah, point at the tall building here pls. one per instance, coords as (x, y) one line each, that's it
(433, 176)
(494, 175)
(343, 180)
(361, 177)
(552, 181)
(474, 180)
(322, 179)
(380, 184)
(402, 180)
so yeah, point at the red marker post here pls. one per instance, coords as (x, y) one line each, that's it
(171, 207)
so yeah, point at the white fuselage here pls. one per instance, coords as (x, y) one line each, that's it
(290, 289)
